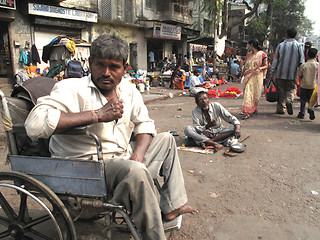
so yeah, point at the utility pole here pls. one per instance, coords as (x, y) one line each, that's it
(214, 37)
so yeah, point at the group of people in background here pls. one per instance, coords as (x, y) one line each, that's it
(289, 63)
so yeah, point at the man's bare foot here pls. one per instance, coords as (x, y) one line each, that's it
(210, 144)
(181, 210)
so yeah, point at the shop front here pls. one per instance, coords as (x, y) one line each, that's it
(7, 9)
(50, 22)
(164, 41)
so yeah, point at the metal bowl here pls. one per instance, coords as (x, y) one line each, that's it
(238, 147)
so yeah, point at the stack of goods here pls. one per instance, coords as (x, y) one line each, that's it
(232, 92)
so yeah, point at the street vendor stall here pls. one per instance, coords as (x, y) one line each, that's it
(68, 57)
(197, 56)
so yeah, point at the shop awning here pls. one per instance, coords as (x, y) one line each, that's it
(202, 40)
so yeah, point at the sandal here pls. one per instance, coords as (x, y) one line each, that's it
(246, 117)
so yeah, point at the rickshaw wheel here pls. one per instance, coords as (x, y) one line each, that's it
(119, 222)
(31, 210)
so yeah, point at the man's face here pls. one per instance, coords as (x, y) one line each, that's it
(203, 102)
(106, 73)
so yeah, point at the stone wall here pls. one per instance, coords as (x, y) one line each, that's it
(20, 39)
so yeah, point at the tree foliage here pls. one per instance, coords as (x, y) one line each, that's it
(267, 19)
(220, 8)
(279, 15)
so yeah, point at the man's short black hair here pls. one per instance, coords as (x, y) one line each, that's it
(312, 53)
(196, 71)
(198, 94)
(291, 32)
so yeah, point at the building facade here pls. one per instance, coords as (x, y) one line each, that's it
(161, 27)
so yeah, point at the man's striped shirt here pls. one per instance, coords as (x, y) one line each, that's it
(288, 57)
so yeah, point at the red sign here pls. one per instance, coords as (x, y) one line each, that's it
(11, 4)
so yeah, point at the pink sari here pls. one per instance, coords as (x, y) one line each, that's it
(253, 81)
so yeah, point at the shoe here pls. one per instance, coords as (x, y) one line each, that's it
(311, 114)
(289, 108)
(279, 112)
(300, 115)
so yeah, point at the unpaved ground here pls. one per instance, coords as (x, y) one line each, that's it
(262, 193)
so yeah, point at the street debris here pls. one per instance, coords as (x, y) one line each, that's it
(213, 195)
(314, 192)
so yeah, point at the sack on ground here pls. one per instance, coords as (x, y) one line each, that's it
(271, 92)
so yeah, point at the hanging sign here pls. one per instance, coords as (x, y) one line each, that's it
(10, 4)
(198, 47)
(59, 12)
(166, 31)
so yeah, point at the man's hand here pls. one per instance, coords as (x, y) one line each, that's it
(111, 111)
(208, 134)
(211, 123)
(237, 133)
(142, 144)
(271, 76)
(137, 157)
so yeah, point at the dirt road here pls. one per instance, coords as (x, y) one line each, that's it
(262, 193)
(269, 192)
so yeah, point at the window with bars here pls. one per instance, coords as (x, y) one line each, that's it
(117, 10)
(207, 26)
(105, 9)
(128, 11)
(150, 3)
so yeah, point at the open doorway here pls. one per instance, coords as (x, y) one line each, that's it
(133, 56)
(156, 47)
(6, 72)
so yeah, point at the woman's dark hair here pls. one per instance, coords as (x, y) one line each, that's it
(255, 44)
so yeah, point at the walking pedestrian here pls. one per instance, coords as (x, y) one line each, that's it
(308, 73)
(288, 57)
(254, 71)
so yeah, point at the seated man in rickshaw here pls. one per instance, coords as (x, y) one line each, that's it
(113, 110)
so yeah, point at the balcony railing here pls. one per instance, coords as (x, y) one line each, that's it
(178, 13)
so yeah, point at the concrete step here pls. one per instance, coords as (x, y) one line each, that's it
(6, 88)
(4, 80)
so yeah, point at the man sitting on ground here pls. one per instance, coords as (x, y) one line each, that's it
(113, 110)
(207, 129)
(235, 68)
(195, 85)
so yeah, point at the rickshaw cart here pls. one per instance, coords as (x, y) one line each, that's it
(41, 197)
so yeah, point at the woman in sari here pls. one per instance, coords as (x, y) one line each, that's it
(254, 71)
(177, 78)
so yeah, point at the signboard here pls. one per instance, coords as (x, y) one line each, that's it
(166, 31)
(10, 4)
(59, 12)
(198, 47)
